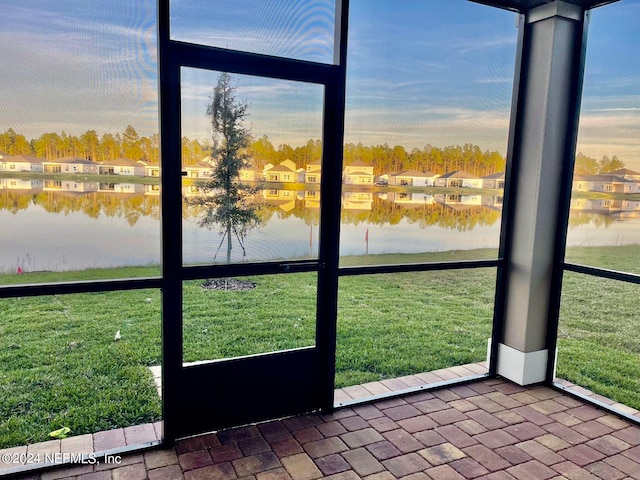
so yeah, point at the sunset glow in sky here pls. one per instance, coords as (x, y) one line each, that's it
(419, 71)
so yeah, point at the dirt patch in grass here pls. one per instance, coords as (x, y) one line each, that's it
(228, 284)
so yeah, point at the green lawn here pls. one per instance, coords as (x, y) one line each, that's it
(61, 366)
(598, 342)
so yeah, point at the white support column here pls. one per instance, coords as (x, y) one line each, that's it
(552, 35)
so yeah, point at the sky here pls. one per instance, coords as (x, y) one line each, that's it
(420, 72)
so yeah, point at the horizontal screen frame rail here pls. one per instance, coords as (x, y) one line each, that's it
(602, 272)
(83, 286)
(249, 269)
(418, 267)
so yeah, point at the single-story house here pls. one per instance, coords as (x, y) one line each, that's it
(200, 170)
(150, 169)
(358, 173)
(122, 166)
(458, 178)
(20, 163)
(495, 181)
(412, 178)
(626, 174)
(70, 165)
(604, 183)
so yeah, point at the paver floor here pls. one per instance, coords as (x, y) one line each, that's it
(490, 429)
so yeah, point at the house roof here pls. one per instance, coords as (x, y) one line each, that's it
(199, 166)
(78, 160)
(22, 159)
(360, 173)
(604, 178)
(122, 162)
(413, 173)
(622, 171)
(280, 168)
(495, 176)
(458, 174)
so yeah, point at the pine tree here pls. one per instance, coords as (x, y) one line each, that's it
(225, 200)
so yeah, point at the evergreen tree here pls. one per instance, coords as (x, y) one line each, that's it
(223, 198)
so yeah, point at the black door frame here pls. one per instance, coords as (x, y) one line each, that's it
(189, 393)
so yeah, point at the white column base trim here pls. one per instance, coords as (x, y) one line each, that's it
(523, 368)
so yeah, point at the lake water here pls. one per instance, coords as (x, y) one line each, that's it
(60, 226)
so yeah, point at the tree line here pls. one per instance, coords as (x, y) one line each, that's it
(590, 166)
(384, 158)
(129, 144)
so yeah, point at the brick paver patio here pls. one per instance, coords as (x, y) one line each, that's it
(488, 430)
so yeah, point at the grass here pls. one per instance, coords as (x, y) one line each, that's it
(400, 324)
(60, 365)
(598, 342)
(79, 275)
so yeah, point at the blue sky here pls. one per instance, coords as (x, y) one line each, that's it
(419, 71)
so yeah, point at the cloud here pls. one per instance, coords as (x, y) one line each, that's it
(438, 126)
(611, 131)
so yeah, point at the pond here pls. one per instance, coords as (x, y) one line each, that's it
(61, 226)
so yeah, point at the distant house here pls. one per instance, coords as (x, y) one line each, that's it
(122, 166)
(21, 163)
(583, 183)
(283, 172)
(412, 178)
(150, 169)
(604, 183)
(200, 170)
(313, 172)
(204, 169)
(626, 174)
(248, 175)
(70, 165)
(358, 173)
(458, 178)
(495, 181)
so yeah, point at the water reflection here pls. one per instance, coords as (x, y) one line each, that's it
(393, 221)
